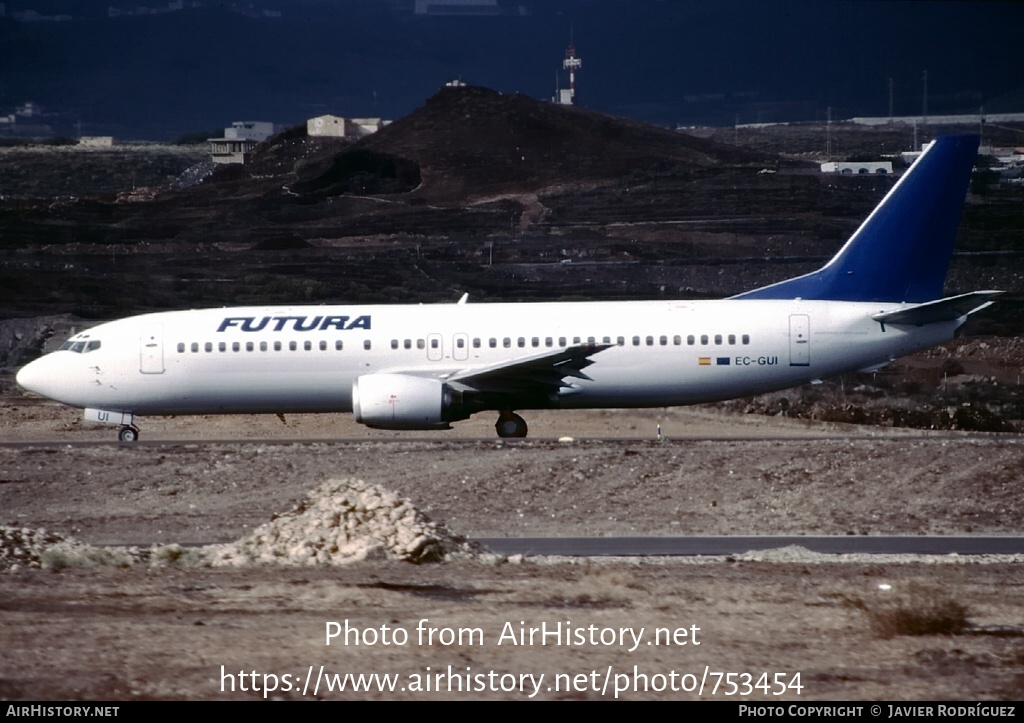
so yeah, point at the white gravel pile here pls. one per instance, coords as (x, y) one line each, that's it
(344, 521)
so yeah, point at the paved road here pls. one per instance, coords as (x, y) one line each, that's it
(736, 545)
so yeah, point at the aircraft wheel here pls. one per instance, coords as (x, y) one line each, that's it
(509, 425)
(128, 434)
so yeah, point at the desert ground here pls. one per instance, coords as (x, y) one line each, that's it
(788, 625)
(624, 212)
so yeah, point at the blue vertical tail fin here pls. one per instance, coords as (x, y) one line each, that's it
(901, 252)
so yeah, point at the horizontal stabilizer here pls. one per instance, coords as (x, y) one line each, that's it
(932, 312)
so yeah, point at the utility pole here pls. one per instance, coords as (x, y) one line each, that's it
(828, 133)
(924, 102)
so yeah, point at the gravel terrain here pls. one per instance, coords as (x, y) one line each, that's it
(169, 628)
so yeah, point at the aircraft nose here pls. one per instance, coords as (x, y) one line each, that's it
(39, 377)
(28, 376)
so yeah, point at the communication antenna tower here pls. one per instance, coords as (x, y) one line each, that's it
(571, 63)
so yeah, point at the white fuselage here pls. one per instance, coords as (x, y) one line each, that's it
(307, 358)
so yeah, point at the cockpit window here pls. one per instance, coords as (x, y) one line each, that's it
(80, 347)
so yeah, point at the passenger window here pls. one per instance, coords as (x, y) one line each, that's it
(293, 346)
(575, 340)
(636, 341)
(235, 346)
(367, 344)
(263, 346)
(460, 343)
(704, 339)
(677, 340)
(606, 340)
(690, 340)
(338, 346)
(277, 346)
(535, 341)
(421, 344)
(476, 343)
(521, 342)
(718, 338)
(492, 342)
(195, 347)
(506, 342)
(249, 346)
(407, 344)
(732, 339)
(746, 338)
(434, 343)
(621, 341)
(394, 343)
(323, 345)
(591, 340)
(307, 346)
(208, 346)
(561, 341)
(181, 348)
(548, 341)
(663, 341)
(650, 341)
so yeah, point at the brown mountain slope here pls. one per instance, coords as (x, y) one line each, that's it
(469, 142)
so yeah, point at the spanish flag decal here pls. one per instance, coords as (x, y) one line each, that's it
(704, 361)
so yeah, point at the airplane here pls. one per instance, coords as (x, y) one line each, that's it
(421, 367)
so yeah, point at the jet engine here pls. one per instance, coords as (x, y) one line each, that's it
(402, 401)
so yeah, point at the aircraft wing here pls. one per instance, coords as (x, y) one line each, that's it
(544, 372)
(931, 312)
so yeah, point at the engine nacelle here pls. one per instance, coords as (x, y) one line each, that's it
(401, 401)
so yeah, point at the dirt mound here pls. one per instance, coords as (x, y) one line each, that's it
(476, 141)
(925, 415)
(344, 521)
(339, 522)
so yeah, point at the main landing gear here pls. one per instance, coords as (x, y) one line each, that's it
(128, 433)
(510, 424)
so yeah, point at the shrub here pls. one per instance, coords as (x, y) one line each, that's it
(920, 610)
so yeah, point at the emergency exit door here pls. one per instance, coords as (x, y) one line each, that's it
(799, 340)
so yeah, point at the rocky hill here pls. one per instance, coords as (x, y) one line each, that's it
(471, 142)
(475, 191)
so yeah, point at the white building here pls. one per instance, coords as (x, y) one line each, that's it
(96, 142)
(239, 139)
(337, 127)
(249, 130)
(230, 150)
(845, 168)
(457, 7)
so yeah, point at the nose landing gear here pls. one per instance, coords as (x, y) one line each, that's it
(128, 433)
